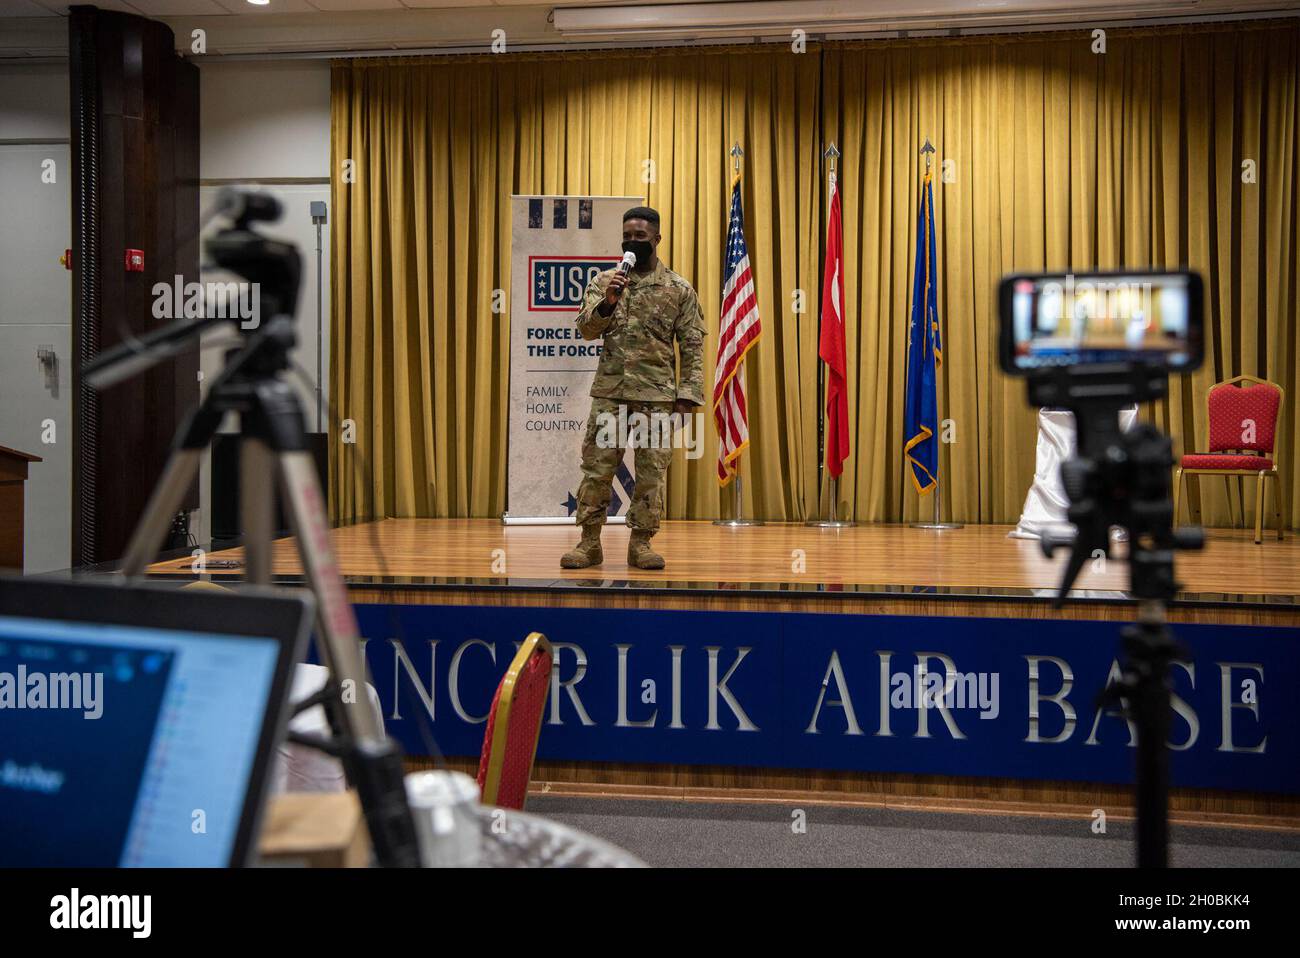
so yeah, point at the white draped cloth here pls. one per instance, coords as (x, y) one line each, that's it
(1046, 504)
(298, 768)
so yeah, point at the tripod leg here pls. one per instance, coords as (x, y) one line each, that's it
(157, 518)
(339, 633)
(1149, 649)
(257, 508)
(372, 763)
(1152, 775)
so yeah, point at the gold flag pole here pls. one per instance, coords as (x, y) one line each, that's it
(938, 525)
(737, 511)
(833, 486)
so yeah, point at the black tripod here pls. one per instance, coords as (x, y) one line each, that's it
(1123, 479)
(273, 450)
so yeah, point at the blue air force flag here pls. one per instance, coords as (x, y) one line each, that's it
(924, 354)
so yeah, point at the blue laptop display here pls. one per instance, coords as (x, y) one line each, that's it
(137, 724)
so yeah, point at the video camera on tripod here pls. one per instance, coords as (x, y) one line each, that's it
(1093, 344)
(273, 455)
(274, 266)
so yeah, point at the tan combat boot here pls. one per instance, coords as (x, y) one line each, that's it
(639, 553)
(587, 552)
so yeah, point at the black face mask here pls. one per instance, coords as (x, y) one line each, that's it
(643, 249)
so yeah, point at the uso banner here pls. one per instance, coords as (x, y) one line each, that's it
(1013, 698)
(558, 244)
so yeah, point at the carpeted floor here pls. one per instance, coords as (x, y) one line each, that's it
(701, 835)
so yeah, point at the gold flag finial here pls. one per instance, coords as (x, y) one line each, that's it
(927, 149)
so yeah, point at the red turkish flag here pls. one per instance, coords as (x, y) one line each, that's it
(831, 347)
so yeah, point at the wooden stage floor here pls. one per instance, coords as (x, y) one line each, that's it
(700, 554)
(870, 569)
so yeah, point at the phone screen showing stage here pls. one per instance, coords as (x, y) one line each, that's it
(1077, 319)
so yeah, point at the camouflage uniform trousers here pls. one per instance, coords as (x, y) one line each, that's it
(599, 465)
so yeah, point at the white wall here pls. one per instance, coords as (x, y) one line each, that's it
(266, 125)
(263, 124)
(36, 301)
(33, 101)
(263, 119)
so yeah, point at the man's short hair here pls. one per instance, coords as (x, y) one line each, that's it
(643, 213)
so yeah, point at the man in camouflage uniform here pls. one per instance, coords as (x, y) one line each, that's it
(639, 314)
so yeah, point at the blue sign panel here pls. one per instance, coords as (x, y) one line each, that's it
(1013, 698)
(559, 281)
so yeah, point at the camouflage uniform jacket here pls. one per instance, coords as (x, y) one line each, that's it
(637, 360)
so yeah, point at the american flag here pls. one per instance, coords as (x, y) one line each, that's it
(737, 332)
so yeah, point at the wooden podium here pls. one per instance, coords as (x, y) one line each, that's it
(13, 478)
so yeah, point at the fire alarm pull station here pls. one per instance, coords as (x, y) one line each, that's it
(135, 261)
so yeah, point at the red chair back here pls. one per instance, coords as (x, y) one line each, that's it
(1244, 417)
(514, 725)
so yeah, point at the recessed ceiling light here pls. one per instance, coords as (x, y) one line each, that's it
(259, 3)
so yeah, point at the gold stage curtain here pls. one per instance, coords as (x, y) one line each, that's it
(1052, 156)
(1049, 156)
(421, 239)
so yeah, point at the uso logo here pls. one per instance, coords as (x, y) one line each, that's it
(558, 282)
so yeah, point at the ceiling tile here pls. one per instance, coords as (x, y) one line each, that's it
(24, 8)
(583, 3)
(178, 8)
(340, 6)
(431, 4)
(275, 6)
(61, 6)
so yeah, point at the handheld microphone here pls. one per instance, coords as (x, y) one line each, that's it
(625, 267)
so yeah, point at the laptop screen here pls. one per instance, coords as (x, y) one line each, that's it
(126, 745)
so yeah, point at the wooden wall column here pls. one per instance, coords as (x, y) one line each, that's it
(135, 169)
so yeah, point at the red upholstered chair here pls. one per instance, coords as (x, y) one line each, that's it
(514, 725)
(1243, 426)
